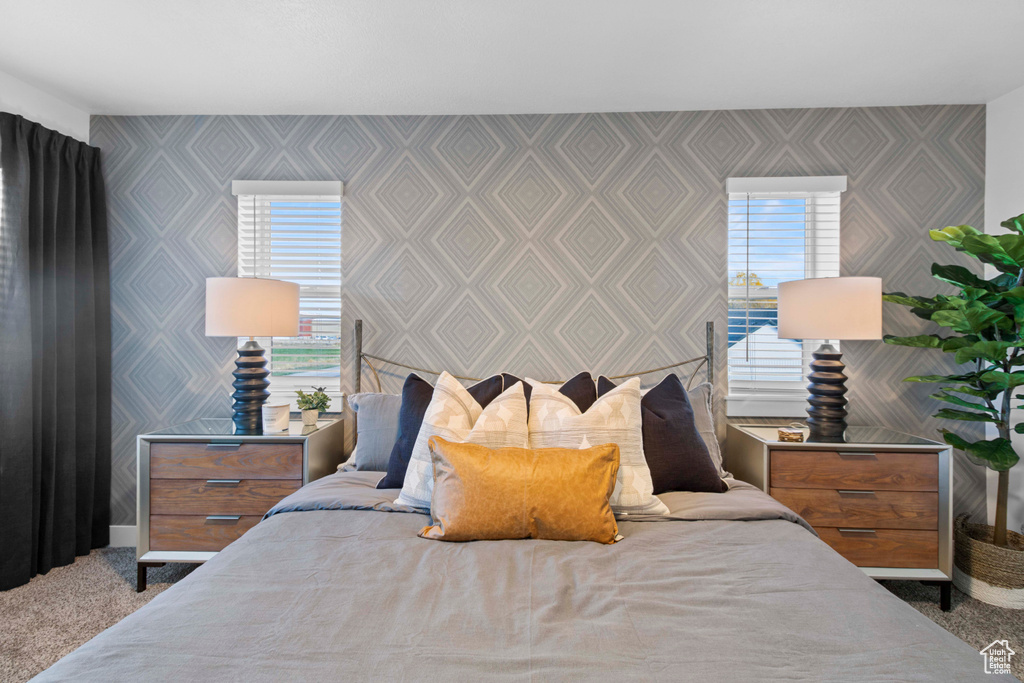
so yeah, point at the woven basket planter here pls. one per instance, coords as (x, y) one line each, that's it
(987, 572)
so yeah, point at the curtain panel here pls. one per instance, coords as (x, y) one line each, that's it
(54, 351)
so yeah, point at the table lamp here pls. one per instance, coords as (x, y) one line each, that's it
(842, 308)
(251, 307)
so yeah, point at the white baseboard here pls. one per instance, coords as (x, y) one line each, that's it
(122, 536)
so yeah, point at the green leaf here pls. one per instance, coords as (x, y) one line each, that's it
(967, 390)
(997, 454)
(1019, 428)
(921, 341)
(1005, 252)
(972, 316)
(985, 245)
(985, 296)
(939, 379)
(906, 300)
(920, 306)
(954, 343)
(993, 351)
(1014, 295)
(956, 400)
(953, 414)
(1003, 380)
(955, 320)
(1015, 223)
(954, 234)
(1013, 246)
(980, 317)
(961, 277)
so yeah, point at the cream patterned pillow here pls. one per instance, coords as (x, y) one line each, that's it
(454, 415)
(556, 422)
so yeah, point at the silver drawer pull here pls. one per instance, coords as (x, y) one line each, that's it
(856, 531)
(851, 492)
(223, 518)
(220, 444)
(857, 454)
(223, 482)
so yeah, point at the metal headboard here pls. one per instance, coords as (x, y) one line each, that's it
(707, 361)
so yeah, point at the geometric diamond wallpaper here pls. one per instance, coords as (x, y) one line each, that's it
(538, 244)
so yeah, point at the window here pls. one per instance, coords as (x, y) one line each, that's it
(292, 231)
(779, 229)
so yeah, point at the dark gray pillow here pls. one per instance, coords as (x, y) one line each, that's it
(673, 447)
(376, 430)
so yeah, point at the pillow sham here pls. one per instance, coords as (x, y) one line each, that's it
(673, 448)
(704, 418)
(551, 493)
(455, 415)
(580, 389)
(376, 430)
(416, 395)
(556, 422)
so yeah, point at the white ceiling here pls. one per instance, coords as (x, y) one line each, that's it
(509, 56)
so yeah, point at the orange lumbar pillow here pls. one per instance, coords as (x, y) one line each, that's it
(558, 494)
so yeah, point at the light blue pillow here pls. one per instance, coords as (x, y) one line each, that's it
(376, 430)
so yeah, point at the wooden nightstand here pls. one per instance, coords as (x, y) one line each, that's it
(883, 500)
(201, 486)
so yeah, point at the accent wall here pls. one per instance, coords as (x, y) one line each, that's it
(538, 244)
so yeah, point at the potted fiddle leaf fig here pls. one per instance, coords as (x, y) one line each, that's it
(983, 326)
(312, 404)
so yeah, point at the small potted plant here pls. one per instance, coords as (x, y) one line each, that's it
(313, 404)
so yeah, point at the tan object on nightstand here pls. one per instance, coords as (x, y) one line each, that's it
(791, 434)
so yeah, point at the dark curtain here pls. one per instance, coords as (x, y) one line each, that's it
(54, 351)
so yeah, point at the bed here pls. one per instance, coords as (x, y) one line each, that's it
(334, 584)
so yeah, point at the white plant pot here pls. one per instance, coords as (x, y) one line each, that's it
(1011, 598)
(309, 417)
(986, 572)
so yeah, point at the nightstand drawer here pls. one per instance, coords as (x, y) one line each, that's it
(218, 496)
(855, 470)
(866, 509)
(884, 547)
(225, 461)
(197, 532)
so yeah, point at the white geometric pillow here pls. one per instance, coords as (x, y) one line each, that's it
(556, 422)
(454, 415)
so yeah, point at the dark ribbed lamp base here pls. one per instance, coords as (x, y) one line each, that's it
(827, 414)
(251, 388)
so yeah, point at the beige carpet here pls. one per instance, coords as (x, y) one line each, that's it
(53, 614)
(972, 621)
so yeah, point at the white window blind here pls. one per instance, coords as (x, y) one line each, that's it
(779, 229)
(286, 235)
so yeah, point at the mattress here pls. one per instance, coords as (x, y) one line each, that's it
(335, 585)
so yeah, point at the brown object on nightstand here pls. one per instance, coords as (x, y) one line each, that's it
(201, 485)
(882, 500)
(791, 434)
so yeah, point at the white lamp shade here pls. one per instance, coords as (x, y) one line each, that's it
(831, 308)
(251, 307)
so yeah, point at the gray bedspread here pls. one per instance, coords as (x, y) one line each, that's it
(334, 586)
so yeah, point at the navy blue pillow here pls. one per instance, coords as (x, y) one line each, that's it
(675, 452)
(580, 389)
(416, 395)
